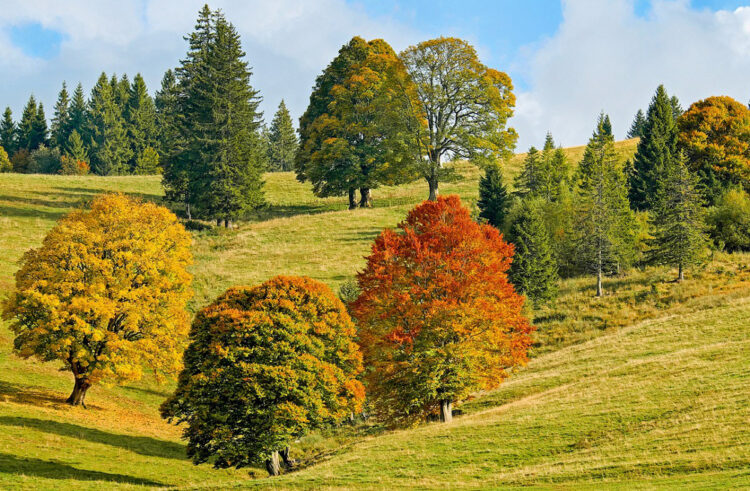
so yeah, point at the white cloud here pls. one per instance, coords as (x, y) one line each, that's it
(287, 42)
(605, 57)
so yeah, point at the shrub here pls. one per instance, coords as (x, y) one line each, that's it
(5, 165)
(21, 161)
(72, 167)
(44, 160)
(729, 221)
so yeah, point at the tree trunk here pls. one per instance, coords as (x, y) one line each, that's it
(227, 223)
(599, 291)
(187, 210)
(272, 464)
(288, 463)
(446, 411)
(352, 198)
(681, 274)
(218, 222)
(78, 396)
(433, 182)
(366, 198)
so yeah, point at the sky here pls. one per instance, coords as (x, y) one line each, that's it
(569, 60)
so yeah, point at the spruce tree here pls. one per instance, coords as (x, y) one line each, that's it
(554, 173)
(26, 135)
(493, 200)
(636, 128)
(77, 113)
(140, 115)
(165, 105)
(282, 140)
(75, 149)
(534, 270)
(61, 121)
(678, 219)
(147, 163)
(529, 181)
(8, 133)
(676, 107)
(41, 133)
(110, 149)
(656, 151)
(605, 221)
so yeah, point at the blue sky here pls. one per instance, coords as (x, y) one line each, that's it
(569, 60)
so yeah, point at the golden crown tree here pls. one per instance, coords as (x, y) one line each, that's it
(105, 293)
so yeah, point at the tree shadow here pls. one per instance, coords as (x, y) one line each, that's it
(142, 445)
(49, 469)
(29, 395)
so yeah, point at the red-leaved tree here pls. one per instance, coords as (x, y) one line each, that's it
(438, 318)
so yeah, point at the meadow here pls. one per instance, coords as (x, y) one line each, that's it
(645, 386)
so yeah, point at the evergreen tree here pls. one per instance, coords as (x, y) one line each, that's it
(282, 140)
(26, 127)
(676, 107)
(554, 171)
(534, 270)
(656, 151)
(121, 91)
(165, 105)
(529, 181)
(678, 218)
(110, 150)
(147, 163)
(75, 149)
(605, 221)
(493, 200)
(140, 115)
(77, 113)
(8, 133)
(41, 133)
(636, 128)
(61, 121)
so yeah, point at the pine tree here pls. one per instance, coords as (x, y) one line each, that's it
(75, 149)
(26, 138)
(605, 221)
(41, 133)
(534, 270)
(282, 140)
(529, 181)
(656, 151)
(140, 115)
(678, 218)
(636, 128)
(8, 133)
(77, 113)
(61, 121)
(110, 149)
(493, 200)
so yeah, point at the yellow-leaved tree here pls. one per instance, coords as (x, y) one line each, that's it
(105, 293)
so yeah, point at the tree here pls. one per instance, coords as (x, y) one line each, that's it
(637, 126)
(282, 140)
(31, 133)
(360, 140)
(729, 220)
(140, 114)
(147, 163)
(105, 293)
(534, 270)
(75, 148)
(678, 220)
(61, 121)
(77, 114)
(465, 104)
(676, 107)
(656, 151)
(493, 200)
(174, 173)
(8, 134)
(110, 149)
(40, 132)
(529, 180)
(715, 134)
(437, 316)
(5, 165)
(605, 222)
(265, 365)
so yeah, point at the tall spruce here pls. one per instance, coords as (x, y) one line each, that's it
(678, 219)
(494, 200)
(165, 104)
(282, 140)
(109, 147)
(676, 107)
(77, 113)
(59, 130)
(555, 171)
(8, 132)
(656, 151)
(75, 148)
(41, 132)
(529, 181)
(140, 115)
(534, 270)
(605, 221)
(639, 123)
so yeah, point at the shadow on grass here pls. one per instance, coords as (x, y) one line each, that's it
(29, 395)
(48, 469)
(142, 445)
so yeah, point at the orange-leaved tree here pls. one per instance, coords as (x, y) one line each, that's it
(437, 316)
(105, 293)
(265, 365)
(715, 134)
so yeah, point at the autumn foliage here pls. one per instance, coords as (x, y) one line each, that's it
(438, 318)
(715, 134)
(105, 293)
(265, 365)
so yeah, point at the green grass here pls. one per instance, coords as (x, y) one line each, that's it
(606, 399)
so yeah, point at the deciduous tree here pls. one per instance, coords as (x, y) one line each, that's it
(265, 365)
(437, 316)
(105, 293)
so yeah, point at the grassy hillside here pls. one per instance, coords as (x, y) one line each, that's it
(121, 440)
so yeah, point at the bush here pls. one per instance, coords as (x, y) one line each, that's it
(44, 160)
(5, 165)
(72, 167)
(729, 221)
(21, 161)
